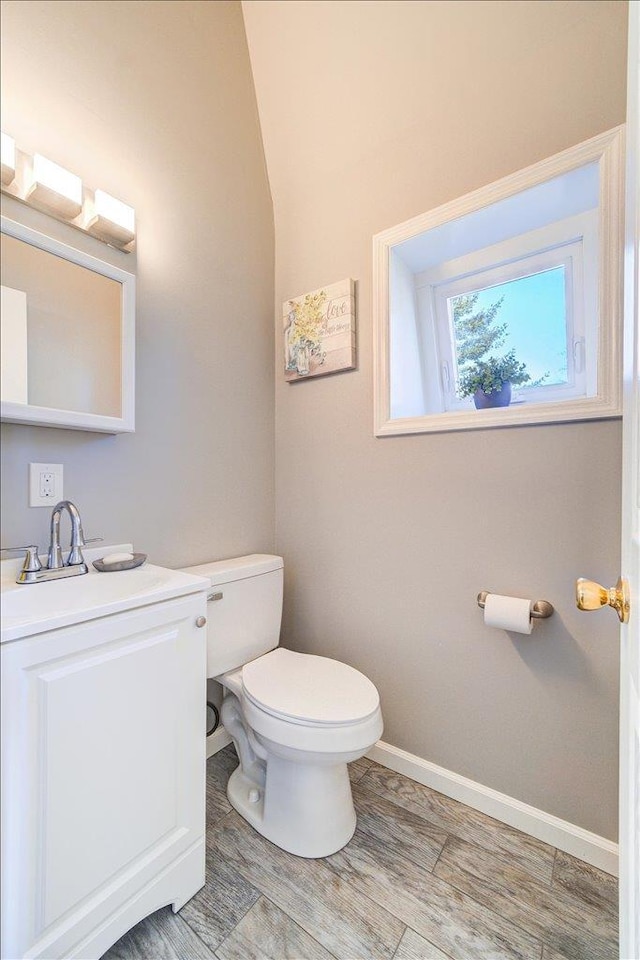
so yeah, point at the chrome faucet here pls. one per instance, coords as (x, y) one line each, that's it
(75, 558)
(57, 568)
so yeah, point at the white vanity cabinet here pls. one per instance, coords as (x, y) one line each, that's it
(103, 766)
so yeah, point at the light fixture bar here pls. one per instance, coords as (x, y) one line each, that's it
(41, 183)
(8, 152)
(55, 189)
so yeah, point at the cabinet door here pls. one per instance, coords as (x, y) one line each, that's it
(103, 767)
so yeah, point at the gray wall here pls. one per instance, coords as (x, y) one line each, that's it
(154, 103)
(388, 541)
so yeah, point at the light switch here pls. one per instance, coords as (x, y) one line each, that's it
(45, 484)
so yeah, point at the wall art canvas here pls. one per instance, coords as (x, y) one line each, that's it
(320, 332)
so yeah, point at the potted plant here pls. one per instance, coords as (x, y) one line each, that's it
(489, 381)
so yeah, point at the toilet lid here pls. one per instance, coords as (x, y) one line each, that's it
(303, 687)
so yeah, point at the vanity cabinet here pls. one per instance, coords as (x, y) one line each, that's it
(103, 766)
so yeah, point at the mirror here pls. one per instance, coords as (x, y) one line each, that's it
(67, 328)
(503, 307)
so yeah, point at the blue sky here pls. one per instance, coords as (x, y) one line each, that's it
(534, 309)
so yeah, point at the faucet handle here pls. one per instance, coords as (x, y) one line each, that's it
(31, 561)
(75, 556)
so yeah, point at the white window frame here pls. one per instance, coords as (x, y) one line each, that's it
(607, 150)
(571, 244)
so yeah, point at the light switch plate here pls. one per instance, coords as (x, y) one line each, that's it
(45, 484)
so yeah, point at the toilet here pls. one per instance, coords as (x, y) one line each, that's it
(296, 719)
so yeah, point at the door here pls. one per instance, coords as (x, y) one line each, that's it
(630, 632)
(625, 597)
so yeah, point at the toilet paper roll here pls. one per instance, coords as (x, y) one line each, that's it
(508, 613)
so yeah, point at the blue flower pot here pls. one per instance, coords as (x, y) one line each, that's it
(497, 398)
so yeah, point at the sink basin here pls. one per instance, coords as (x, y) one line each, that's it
(35, 608)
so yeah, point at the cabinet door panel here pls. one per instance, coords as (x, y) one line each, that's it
(103, 767)
(110, 723)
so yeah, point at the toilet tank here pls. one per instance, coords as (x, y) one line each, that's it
(245, 609)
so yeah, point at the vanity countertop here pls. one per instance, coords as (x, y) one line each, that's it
(29, 609)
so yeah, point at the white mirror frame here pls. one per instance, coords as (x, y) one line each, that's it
(608, 150)
(71, 419)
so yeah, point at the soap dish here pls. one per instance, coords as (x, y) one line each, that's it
(136, 561)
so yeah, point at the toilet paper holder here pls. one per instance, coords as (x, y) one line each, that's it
(540, 610)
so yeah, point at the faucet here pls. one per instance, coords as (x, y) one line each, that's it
(57, 568)
(75, 558)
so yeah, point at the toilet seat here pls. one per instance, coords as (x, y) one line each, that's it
(308, 690)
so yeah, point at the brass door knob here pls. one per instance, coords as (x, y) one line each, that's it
(591, 596)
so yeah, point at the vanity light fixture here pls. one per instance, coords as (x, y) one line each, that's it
(8, 151)
(55, 189)
(41, 183)
(114, 221)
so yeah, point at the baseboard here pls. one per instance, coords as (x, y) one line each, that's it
(580, 843)
(218, 739)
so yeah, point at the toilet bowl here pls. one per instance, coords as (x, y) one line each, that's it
(296, 719)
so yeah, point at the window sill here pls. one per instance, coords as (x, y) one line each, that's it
(516, 415)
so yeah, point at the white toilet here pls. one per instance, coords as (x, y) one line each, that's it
(296, 719)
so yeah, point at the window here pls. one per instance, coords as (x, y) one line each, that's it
(513, 290)
(539, 326)
(535, 308)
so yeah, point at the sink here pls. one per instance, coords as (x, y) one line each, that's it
(29, 609)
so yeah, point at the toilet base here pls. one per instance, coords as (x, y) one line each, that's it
(306, 809)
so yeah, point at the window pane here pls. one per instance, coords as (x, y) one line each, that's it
(527, 315)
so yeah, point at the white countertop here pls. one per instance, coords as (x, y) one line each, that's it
(28, 609)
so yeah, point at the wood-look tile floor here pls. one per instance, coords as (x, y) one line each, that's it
(424, 878)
